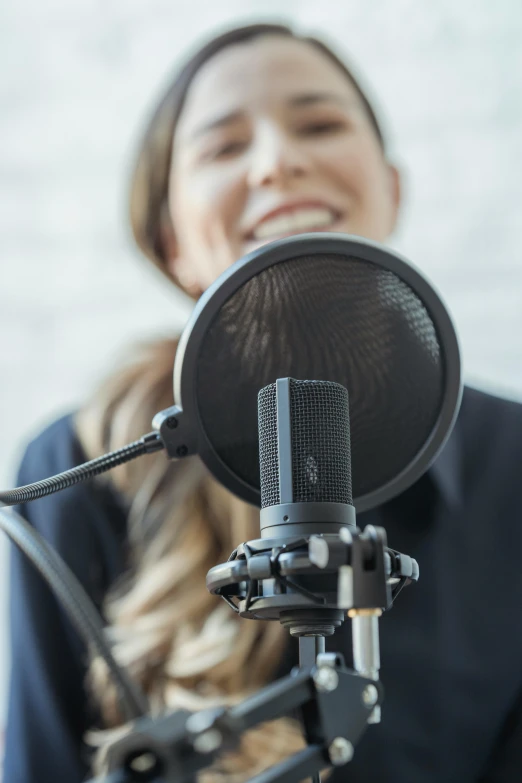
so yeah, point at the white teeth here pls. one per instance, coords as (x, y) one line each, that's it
(298, 220)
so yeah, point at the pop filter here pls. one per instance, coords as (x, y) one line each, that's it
(329, 307)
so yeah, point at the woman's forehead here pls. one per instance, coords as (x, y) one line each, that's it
(257, 73)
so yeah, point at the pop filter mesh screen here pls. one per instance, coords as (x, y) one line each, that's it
(332, 318)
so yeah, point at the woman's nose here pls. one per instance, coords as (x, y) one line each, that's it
(276, 160)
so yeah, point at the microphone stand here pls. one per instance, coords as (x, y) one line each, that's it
(334, 704)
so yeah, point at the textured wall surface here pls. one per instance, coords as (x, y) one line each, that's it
(76, 80)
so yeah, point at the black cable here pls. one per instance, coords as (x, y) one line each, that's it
(145, 445)
(76, 603)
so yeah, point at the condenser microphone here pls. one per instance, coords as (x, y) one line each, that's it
(306, 485)
(304, 458)
(312, 565)
(306, 490)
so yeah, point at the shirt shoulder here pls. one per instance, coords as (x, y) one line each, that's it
(53, 450)
(488, 416)
(85, 523)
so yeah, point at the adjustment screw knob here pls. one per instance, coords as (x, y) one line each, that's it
(326, 679)
(143, 763)
(207, 742)
(340, 751)
(370, 696)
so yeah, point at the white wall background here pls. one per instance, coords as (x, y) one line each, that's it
(76, 80)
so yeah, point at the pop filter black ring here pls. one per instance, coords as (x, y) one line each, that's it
(345, 247)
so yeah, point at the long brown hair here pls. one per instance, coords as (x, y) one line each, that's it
(184, 646)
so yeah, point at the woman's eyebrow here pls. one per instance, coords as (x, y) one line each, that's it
(218, 122)
(310, 98)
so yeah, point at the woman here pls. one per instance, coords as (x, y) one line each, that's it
(262, 135)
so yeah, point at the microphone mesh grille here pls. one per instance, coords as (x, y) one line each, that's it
(321, 468)
(268, 458)
(320, 438)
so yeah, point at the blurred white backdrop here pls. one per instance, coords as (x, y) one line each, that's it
(76, 81)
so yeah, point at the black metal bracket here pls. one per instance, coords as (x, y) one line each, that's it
(176, 432)
(334, 704)
(377, 573)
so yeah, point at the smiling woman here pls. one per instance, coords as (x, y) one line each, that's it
(295, 132)
(262, 134)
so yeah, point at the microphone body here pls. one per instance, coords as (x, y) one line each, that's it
(305, 458)
(306, 484)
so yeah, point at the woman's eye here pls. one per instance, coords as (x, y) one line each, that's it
(226, 150)
(324, 127)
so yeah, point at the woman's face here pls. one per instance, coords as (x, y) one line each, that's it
(273, 140)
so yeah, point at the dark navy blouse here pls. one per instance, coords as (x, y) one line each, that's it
(451, 647)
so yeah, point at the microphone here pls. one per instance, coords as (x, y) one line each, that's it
(304, 458)
(305, 479)
(306, 482)
(306, 489)
(312, 566)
